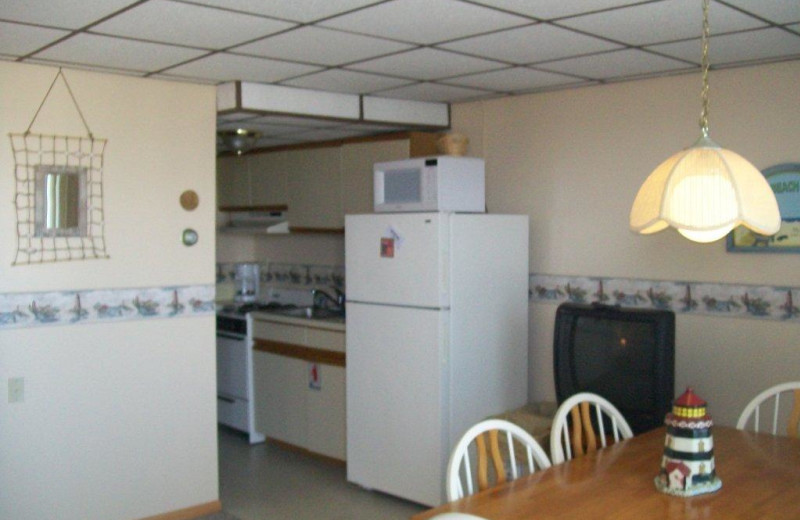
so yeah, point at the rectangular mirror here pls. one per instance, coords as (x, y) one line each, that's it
(60, 201)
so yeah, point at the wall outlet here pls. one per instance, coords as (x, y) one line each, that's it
(16, 389)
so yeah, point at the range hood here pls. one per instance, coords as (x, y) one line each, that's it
(255, 222)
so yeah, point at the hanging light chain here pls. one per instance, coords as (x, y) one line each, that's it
(705, 67)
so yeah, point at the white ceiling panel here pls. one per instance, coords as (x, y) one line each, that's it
(433, 92)
(231, 67)
(328, 54)
(533, 43)
(117, 53)
(346, 81)
(630, 62)
(321, 46)
(551, 9)
(661, 22)
(66, 14)
(171, 22)
(424, 21)
(19, 40)
(777, 11)
(514, 79)
(427, 64)
(728, 48)
(297, 10)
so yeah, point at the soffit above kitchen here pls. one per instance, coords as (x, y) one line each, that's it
(429, 53)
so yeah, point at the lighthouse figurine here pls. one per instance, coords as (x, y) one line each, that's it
(687, 466)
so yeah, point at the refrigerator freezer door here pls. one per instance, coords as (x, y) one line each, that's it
(396, 411)
(397, 259)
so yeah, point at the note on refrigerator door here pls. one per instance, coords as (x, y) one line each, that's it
(391, 241)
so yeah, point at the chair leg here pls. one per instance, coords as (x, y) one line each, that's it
(794, 419)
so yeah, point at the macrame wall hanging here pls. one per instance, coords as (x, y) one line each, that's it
(59, 193)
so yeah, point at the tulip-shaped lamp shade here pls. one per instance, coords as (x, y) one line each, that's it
(704, 192)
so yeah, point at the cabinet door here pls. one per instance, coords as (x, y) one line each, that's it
(233, 182)
(326, 411)
(268, 176)
(314, 189)
(280, 397)
(357, 161)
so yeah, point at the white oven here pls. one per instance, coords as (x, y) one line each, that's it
(235, 406)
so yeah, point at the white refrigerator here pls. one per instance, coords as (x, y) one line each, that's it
(437, 340)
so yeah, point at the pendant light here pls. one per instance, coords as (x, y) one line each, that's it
(705, 190)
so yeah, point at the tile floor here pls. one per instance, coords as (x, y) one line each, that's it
(265, 482)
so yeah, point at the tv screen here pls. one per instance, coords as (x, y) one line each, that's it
(626, 355)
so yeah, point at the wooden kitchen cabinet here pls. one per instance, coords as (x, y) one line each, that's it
(291, 405)
(252, 182)
(358, 158)
(233, 182)
(269, 174)
(319, 184)
(315, 202)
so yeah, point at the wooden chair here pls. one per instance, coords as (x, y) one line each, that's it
(575, 414)
(770, 400)
(463, 471)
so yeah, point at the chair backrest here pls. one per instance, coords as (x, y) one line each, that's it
(573, 432)
(770, 400)
(469, 460)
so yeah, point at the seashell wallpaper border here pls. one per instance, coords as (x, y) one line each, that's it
(701, 298)
(20, 310)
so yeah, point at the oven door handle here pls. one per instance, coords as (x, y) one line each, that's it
(230, 336)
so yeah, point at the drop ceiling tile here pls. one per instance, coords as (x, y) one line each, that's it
(778, 11)
(434, 92)
(549, 9)
(19, 40)
(423, 21)
(117, 53)
(321, 46)
(232, 67)
(728, 48)
(514, 79)
(658, 22)
(184, 79)
(346, 81)
(66, 14)
(625, 63)
(533, 43)
(426, 64)
(297, 10)
(92, 68)
(185, 24)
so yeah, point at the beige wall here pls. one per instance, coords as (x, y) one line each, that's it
(119, 419)
(573, 160)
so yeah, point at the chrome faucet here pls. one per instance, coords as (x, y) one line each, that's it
(318, 295)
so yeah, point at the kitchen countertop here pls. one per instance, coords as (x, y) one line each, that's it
(336, 323)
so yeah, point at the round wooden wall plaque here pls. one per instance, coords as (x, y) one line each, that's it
(189, 200)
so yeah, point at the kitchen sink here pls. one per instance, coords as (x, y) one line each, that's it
(312, 313)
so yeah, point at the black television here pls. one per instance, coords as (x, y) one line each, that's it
(626, 355)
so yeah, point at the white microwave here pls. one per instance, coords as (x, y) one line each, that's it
(444, 183)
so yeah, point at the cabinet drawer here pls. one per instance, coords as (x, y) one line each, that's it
(325, 339)
(280, 332)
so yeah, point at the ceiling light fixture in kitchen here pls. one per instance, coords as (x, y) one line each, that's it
(705, 190)
(239, 140)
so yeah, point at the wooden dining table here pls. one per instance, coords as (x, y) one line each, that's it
(760, 476)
